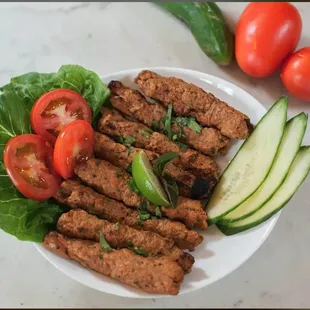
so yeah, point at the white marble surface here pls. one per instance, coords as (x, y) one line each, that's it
(107, 37)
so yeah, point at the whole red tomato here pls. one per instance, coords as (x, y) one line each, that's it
(266, 33)
(295, 74)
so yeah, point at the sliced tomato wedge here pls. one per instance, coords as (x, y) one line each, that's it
(56, 109)
(28, 160)
(74, 145)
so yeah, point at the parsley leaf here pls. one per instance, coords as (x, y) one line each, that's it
(166, 121)
(145, 133)
(139, 251)
(104, 244)
(188, 121)
(158, 212)
(127, 140)
(130, 151)
(133, 186)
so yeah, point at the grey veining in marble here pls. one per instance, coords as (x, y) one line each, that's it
(107, 37)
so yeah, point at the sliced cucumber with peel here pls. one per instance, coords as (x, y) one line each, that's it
(250, 166)
(290, 144)
(296, 175)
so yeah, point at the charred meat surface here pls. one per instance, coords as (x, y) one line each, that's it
(188, 99)
(151, 274)
(109, 180)
(113, 124)
(79, 224)
(208, 141)
(77, 196)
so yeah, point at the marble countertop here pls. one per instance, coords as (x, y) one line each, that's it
(108, 37)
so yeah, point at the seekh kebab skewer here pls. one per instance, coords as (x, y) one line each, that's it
(208, 141)
(81, 225)
(112, 123)
(113, 182)
(151, 274)
(121, 156)
(188, 99)
(77, 196)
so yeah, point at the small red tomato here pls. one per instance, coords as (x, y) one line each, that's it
(266, 33)
(74, 145)
(295, 74)
(56, 109)
(28, 160)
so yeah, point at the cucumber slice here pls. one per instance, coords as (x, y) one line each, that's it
(297, 174)
(250, 166)
(290, 144)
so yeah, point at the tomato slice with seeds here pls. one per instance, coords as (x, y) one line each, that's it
(74, 145)
(56, 109)
(28, 160)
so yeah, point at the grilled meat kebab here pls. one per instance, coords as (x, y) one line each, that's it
(188, 99)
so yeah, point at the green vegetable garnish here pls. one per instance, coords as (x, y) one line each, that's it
(127, 140)
(105, 247)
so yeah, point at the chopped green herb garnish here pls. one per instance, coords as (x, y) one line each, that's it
(100, 256)
(143, 213)
(127, 141)
(145, 133)
(117, 226)
(166, 121)
(118, 174)
(104, 244)
(188, 121)
(139, 251)
(183, 146)
(135, 249)
(129, 168)
(133, 186)
(158, 212)
(130, 151)
(155, 125)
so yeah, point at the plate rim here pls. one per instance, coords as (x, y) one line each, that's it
(269, 229)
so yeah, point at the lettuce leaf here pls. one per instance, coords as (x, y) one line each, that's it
(24, 218)
(33, 85)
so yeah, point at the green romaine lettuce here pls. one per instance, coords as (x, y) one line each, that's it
(24, 218)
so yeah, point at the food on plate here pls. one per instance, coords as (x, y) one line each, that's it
(251, 165)
(190, 100)
(148, 183)
(122, 156)
(296, 175)
(56, 109)
(28, 160)
(79, 224)
(117, 184)
(77, 196)
(113, 124)
(208, 141)
(150, 274)
(266, 33)
(129, 219)
(295, 74)
(290, 144)
(207, 24)
(74, 145)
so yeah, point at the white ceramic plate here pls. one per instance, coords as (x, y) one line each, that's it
(218, 255)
